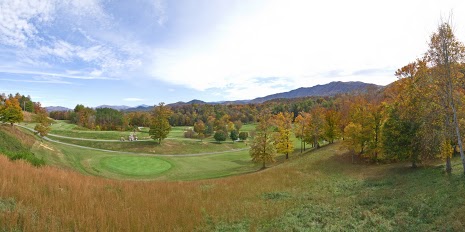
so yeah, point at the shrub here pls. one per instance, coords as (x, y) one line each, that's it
(243, 135)
(220, 136)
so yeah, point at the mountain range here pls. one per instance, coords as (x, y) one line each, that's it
(330, 89)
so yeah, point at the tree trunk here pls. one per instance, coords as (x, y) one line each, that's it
(448, 165)
(287, 155)
(263, 167)
(414, 164)
(459, 137)
(301, 146)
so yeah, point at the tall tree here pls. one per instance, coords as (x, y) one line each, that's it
(316, 127)
(11, 112)
(160, 127)
(302, 122)
(283, 142)
(331, 126)
(262, 148)
(445, 54)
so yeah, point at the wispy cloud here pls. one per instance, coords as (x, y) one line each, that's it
(38, 81)
(59, 75)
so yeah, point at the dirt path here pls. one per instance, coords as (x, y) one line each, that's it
(126, 152)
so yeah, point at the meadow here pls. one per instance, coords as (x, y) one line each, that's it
(81, 189)
(318, 190)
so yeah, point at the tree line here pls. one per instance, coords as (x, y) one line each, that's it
(416, 118)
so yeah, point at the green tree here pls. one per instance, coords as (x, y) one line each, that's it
(109, 119)
(220, 136)
(11, 112)
(400, 138)
(243, 135)
(160, 127)
(233, 135)
(263, 147)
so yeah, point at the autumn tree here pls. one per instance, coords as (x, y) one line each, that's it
(316, 126)
(415, 123)
(10, 111)
(445, 54)
(331, 127)
(160, 127)
(84, 116)
(243, 135)
(354, 138)
(237, 125)
(283, 142)
(42, 129)
(301, 125)
(263, 148)
(199, 128)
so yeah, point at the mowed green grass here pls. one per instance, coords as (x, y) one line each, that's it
(90, 162)
(167, 147)
(135, 165)
(119, 165)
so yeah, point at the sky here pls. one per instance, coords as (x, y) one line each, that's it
(117, 52)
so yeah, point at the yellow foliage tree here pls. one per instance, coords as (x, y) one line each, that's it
(11, 112)
(283, 123)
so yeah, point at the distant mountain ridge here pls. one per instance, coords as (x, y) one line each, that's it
(122, 107)
(56, 108)
(330, 89)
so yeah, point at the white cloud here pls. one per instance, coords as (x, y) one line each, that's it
(303, 42)
(16, 28)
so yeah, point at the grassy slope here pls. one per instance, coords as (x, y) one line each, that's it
(321, 190)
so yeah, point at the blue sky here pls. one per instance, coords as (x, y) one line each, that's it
(94, 52)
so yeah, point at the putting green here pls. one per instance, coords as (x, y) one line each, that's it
(135, 165)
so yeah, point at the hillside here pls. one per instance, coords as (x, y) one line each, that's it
(330, 89)
(317, 191)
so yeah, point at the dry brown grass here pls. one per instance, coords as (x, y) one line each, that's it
(26, 139)
(58, 200)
